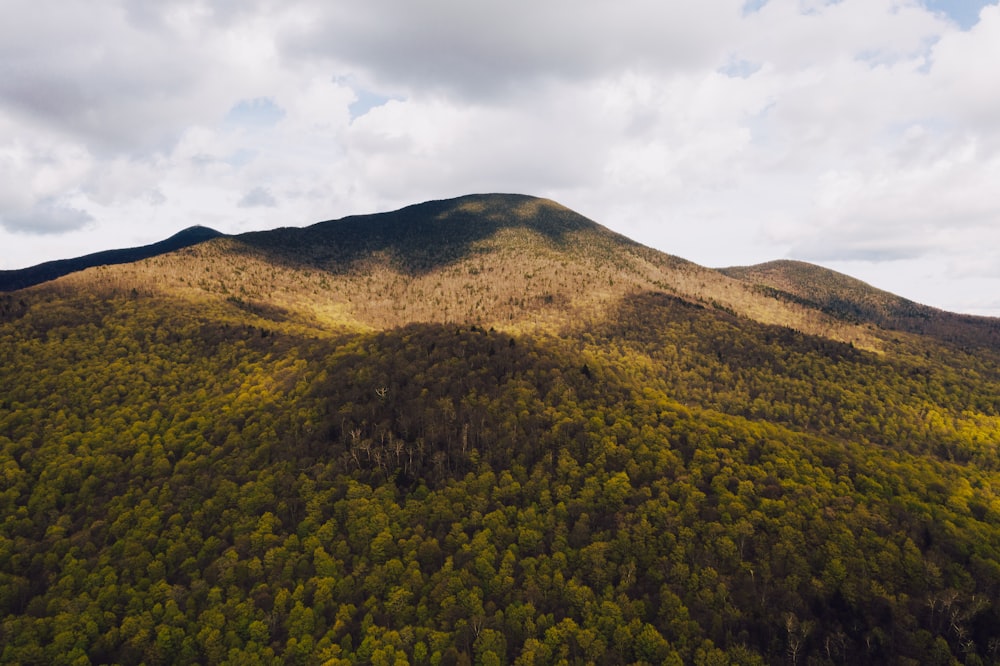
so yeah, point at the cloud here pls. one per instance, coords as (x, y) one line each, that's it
(485, 51)
(964, 89)
(725, 131)
(46, 217)
(258, 197)
(125, 78)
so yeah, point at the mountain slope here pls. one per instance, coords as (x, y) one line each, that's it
(494, 260)
(323, 446)
(850, 299)
(13, 280)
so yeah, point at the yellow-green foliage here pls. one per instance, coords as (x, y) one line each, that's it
(212, 481)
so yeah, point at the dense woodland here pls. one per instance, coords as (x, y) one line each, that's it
(206, 483)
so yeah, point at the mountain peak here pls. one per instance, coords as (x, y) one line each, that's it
(483, 212)
(196, 233)
(544, 215)
(422, 237)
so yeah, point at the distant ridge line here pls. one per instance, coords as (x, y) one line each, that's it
(12, 280)
(850, 299)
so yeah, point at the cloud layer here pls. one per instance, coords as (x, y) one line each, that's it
(861, 134)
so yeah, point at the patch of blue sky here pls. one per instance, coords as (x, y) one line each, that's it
(241, 157)
(739, 68)
(963, 12)
(751, 6)
(878, 57)
(805, 6)
(257, 112)
(365, 101)
(916, 126)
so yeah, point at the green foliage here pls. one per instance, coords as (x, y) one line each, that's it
(672, 486)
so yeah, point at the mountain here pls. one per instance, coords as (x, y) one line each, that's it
(495, 260)
(12, 280)
(489, 430)
(850, 299)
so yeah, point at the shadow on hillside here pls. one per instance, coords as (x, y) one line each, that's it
(419, 238)
(654, 318)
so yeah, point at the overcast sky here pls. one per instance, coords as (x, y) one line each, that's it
(862, 135)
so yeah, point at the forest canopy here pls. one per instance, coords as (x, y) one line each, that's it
(676, 486)
(530, 442)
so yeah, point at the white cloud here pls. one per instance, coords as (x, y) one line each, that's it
(863, 133)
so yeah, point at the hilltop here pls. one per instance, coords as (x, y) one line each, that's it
(489, 430)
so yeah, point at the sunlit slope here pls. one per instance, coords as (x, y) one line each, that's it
(849, 299)
(496, 260)
(192, 481)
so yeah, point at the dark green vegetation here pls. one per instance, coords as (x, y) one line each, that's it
(419, 238)
(220, 481)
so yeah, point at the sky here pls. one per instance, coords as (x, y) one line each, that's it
(860, 135)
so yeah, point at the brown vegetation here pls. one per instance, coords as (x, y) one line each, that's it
(499, 261)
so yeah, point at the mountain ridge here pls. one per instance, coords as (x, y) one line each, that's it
(412, 234)
(21, 278)
(848, 298)
(494, 259)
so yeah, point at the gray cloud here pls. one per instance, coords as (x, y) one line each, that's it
(95, 73)
(258, 197)
(487, 50)
(46, 217)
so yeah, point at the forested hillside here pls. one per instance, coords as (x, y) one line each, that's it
(12, 280)
(847, 298)
(197, 475)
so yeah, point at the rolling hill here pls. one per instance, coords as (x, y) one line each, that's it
(850, 299)
(489, 430)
